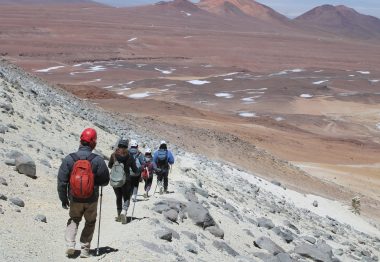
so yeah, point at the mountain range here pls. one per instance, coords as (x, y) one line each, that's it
(334, 20)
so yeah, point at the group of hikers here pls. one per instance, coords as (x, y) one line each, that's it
(83, 172)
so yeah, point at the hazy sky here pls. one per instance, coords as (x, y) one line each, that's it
(290, 8)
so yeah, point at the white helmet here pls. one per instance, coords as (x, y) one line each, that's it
(134, 143)
(148, 151)
(163, 142)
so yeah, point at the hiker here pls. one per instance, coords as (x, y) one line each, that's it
(123, 192)
(82, 198)
(140, 161)
(149, 168)
(163, 158)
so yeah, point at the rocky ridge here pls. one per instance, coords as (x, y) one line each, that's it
(214, 212)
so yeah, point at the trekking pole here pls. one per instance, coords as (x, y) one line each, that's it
(133, 209)
(100, 217)
(155, 187)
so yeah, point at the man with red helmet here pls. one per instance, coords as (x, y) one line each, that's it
(80, 207)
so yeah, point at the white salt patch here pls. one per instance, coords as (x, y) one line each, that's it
(228, 74)
(228, 79)
(170, 85)
(247, 114)
(306, 96)
(187, 14)
(374, 81)
(49, 69)
(364, 72)
(166, 72)
(224, 95)
(198, 82)
(139, 95)
(107, 87)
(94, 81)
(279, 118)
(285, 72)
(132, 39)
(320, 82)
(248, 99)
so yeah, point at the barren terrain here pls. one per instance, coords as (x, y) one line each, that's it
(227, 87)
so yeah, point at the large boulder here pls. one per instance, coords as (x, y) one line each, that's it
(269, 245)
(222, 246)
(199, 215)
(25, 165)
(164, 235)
(265, 222)
(17, 201)
(216, 231)
(315, 252)
(171, 215)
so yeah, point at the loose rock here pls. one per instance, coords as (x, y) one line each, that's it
(313, 252)
(172, 215)
(165, 235)
(224, 247)
(269, 245)
(25, 165)
(41, 218)
(216, 231)
(3, 197)
(3, 181)
(17, 201)
(265, 222)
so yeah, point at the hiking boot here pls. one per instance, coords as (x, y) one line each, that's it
(85, 253)
(166, 191)
(70, 251)
(161, 190)
(123, 217)
(118, 218)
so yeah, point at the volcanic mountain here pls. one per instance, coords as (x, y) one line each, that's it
(342, 20)
(60, 2)
(183, 5)
(249, 8)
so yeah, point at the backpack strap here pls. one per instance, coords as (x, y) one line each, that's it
(91, 157)
(75, 157)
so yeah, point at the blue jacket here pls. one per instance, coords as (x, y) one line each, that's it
(170, 157)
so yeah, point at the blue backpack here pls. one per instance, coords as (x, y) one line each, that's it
(162, 159)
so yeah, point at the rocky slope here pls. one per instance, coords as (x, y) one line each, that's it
(216, 212)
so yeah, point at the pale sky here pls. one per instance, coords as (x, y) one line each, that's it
(290, 8)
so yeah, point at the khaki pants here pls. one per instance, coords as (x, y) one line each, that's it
(77, 211)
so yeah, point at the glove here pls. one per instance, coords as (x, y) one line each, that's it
(65, 204)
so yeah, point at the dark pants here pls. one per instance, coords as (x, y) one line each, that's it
(123, 195)
(135, 181)
(148, 184)
(163, 175)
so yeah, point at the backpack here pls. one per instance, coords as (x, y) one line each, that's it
(162, 158)
(145, 173)
(82, 180)
(117, 175)
(138, 164)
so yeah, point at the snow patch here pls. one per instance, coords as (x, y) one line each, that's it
(248, 99)
(306, 96)
(139, 95)
(187, 14)
(228, 79)
(132, 39)
(49, 69)
(228, 74)
(285, 72)
(189, 36)
(107, 87)
(224, 95)
(374, 81)
(198, 82)
(378, 125)
(364, 72)
(279, 118)
(247, 114)
(170, 85)
(320, 82)
(166, 72)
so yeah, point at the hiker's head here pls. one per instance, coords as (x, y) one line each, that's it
(123, 143)
(148, 154)
(163, 145)
(134, 144)
(88, 137)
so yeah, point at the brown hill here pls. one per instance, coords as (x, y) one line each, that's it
(44, 2)
(249, 8)
(341, 20)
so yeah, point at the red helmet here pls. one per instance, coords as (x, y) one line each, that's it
(89, 135)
